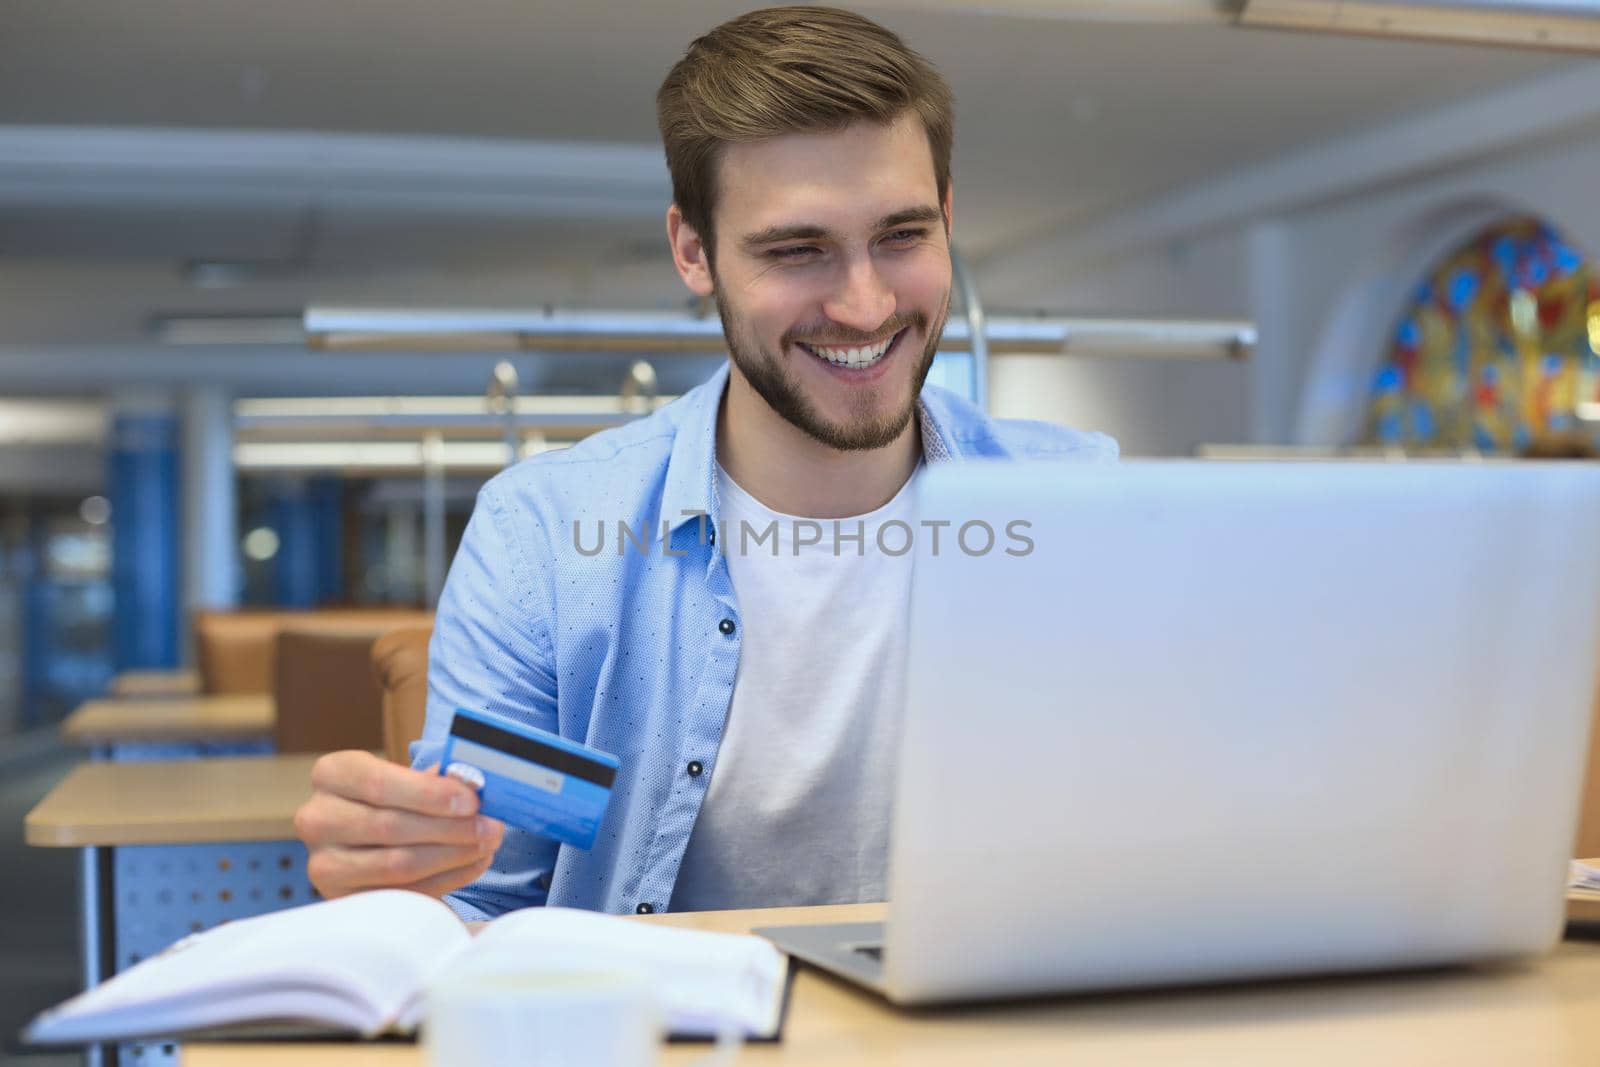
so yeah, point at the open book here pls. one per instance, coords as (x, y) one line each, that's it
(363, 964)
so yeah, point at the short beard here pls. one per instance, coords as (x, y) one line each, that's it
(772, 381)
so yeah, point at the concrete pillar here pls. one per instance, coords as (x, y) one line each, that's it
(1274, 366)
(400, 553)
(433, 518)
(211, 575)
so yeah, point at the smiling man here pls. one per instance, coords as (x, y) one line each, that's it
(832, 307)
(749, 684)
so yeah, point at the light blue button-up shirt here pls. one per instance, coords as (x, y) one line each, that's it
(629, 649)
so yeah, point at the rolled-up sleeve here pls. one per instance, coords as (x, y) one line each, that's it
(491, 651)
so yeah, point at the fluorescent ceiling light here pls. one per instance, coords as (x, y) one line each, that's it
(1125, 337)
(427, 330)
(421, 341)
(402, 329)
(51, 422)
(279, 413)
(379, 406)
(1569, 25)
(378, 456)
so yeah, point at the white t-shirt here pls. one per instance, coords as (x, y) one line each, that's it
(797, 810)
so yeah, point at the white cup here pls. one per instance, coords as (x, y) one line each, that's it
(543, 1019)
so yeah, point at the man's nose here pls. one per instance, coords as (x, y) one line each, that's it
(861, 300)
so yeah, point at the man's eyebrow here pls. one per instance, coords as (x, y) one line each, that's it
(773, 234)
(925, 213)
(804, 232)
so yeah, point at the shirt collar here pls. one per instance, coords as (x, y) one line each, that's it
(691, 485)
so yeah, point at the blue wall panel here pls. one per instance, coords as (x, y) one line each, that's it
(327, 517)
(294, 568)
(143, 482)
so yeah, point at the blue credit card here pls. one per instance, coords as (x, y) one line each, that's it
(530, 778)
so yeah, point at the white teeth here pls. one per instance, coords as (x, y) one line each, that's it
(855, 358)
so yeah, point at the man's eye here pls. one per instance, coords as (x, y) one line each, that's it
(792, 252)
(902, 237)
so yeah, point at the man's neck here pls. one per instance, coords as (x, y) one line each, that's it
(793, 473)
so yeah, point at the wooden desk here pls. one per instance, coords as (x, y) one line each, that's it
(175, 846)
(178, 802)
(1583, 905)
(1539, 1015)
(144, 684)
(237, 717)
(1548, 1013)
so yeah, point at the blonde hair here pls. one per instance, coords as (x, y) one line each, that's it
(784, 70)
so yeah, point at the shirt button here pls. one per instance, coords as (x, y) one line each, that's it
(694, 768)
(646, 909)
(712, 536)
(726, 626)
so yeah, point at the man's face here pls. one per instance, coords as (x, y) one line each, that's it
(833, 276)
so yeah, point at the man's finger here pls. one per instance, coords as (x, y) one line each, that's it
(448, 881)
(334, 820)
(385, 868)
(374, 781)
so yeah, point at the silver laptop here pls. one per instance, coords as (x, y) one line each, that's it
(1223, 721)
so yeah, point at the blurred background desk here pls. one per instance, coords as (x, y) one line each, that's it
(173, 847)
(165, 683)
(1546, 1014)
(173, 726)
(178, 802)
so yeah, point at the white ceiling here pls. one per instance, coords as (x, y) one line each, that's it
(1059, 121)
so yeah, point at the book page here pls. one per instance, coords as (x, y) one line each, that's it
(173, 1016)
(707, 982)
(1585, 875)
(367, 954)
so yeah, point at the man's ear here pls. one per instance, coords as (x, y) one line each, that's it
(689, 254)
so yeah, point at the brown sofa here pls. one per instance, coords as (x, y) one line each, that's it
(326, 696)
(400, 667)
(235, 651)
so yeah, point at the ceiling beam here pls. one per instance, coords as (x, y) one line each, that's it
(1460, 133)
(1162, 11)
(67, 164)
(1563, 25)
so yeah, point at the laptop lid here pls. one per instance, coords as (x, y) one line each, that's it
(1196, 721)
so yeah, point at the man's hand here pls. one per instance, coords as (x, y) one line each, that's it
(372, 824)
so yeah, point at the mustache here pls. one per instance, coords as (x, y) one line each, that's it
(832, 334)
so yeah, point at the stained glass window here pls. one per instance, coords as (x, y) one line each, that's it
(1497, 349)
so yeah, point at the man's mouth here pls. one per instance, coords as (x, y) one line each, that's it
(857, 357)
